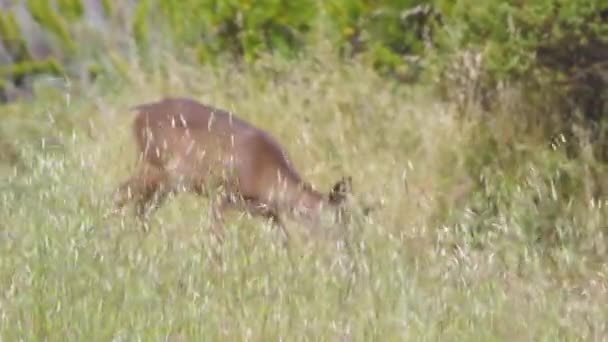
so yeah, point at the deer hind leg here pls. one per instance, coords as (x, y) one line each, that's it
(218, 207)
(218, 204)
(127, 191)
(152, 199)
(147, 188)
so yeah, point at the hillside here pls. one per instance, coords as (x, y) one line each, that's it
(492, 219)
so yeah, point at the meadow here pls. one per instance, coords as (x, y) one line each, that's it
(482, 233)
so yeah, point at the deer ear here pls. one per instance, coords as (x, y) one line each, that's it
(341, 190)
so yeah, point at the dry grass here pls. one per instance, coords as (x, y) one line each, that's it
(447, 257)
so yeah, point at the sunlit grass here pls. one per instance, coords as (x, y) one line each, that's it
(446, 257)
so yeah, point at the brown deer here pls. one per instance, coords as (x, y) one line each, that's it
(187, 146)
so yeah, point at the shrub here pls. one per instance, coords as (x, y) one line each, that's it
(384, 31)
(241, 28)
(554, 47)
(47, 17)
(23, 63)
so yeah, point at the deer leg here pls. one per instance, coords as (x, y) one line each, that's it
(146, 188)
(134, 187)
(218, 204)
(257, 208)
(277, 221)
(218, 207)
(127, 191)
(150, 202)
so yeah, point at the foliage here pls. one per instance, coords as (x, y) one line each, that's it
(21, 69)
(238, 27)
(386, 30)
(72, 9)
(23, 64)
(141, 23)
(43, 12)
(11, 38)
(515, 38)
(548, 46)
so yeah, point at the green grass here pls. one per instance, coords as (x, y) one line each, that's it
(447, 256)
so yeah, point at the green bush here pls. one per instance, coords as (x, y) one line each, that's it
(241, 28)
(72, 9)
(23, 63)
(385, 31)
(42, 11)
(10, 37)
(548, 45)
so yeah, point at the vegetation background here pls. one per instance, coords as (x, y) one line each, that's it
(478, 125)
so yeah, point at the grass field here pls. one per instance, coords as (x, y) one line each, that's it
(483, 234)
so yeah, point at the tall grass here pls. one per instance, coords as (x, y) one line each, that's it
(483, 233)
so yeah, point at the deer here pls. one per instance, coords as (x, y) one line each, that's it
(184, 145)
